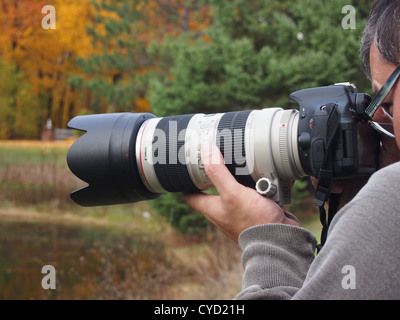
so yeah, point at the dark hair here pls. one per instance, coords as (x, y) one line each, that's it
(383, 28)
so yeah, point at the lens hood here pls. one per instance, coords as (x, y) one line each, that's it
(104, 157)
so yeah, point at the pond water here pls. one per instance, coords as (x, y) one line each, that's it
(90, 262)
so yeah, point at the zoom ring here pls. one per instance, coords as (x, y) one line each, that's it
(231, 142)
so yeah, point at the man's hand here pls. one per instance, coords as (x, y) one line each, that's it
(237, 207)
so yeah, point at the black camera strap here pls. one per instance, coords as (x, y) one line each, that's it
(325, 176)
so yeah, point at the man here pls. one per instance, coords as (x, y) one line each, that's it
(361, 257)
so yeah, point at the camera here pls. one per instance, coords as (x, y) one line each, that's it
(131, 157)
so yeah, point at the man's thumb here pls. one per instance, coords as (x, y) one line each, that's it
(215, 168)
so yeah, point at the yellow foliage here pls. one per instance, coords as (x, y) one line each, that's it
(142, 105)
(48, 56)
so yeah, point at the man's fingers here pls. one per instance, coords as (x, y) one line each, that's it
(216, 170)
(203, 203)
(227, 186)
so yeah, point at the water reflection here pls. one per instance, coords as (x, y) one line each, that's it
(90, 263)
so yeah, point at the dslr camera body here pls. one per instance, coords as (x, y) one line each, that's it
(130, 157)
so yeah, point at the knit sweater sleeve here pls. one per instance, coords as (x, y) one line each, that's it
(359, 260)
(275, 259)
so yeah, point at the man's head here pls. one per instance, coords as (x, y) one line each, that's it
(380, 53)
(383, 30)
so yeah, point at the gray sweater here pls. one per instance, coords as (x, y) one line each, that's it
(360, 260)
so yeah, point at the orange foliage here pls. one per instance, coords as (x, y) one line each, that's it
(172, 17)
(47, 57)
(142, 105)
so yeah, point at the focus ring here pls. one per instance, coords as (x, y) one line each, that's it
(172, 174)
(231, 142)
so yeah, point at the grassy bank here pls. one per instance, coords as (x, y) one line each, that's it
(119, 252)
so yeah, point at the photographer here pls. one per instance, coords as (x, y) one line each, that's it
(362, 242)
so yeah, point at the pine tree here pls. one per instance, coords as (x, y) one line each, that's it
(253, 56)
(117, 73)
(112, 73)
(258, 52)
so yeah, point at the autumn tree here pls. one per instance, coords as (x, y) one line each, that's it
(18, 106)
(174, 17)
(117, 72)
(113, 70)
(46, 56)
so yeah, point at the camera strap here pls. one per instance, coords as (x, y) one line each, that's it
(325, 176)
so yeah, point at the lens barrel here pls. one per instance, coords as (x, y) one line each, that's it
(126, 157)
(133, 157)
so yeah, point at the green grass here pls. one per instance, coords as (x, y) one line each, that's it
(38, 177)
(13, 156)
(114, 252)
